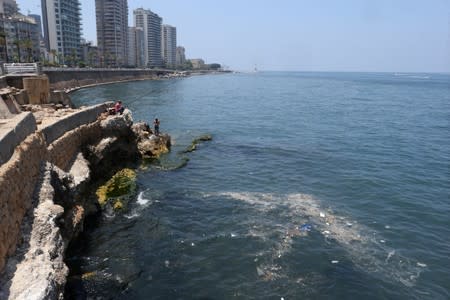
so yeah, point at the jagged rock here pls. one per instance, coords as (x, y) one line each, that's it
(154, 146)
(118, 124)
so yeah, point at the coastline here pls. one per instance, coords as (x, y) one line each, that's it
(42, 186)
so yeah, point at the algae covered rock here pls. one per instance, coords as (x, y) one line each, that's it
(117, 190)
(154, 146)
(193, 146)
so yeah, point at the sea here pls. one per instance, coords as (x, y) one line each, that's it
(315, 185)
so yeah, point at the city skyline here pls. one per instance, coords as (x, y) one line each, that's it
(400, 36)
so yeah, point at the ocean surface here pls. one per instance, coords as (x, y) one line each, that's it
(315, 186)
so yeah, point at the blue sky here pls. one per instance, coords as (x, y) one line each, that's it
(314, 35)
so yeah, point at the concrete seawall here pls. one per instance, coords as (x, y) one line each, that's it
(23, 150)
(64, 79)
(13, 132)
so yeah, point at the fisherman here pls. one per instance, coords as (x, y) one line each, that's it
(156, 126)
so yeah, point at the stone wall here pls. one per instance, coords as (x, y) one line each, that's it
(19, 173)
(18, 178)
(65, 79)
(85, 116)
(38, 89)
(13, 132)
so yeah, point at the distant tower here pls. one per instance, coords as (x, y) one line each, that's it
(136, 46)
(112, 31)
(180, 56)
(169, 45)
(62, 27)
(151, 24)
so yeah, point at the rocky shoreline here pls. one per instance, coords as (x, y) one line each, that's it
(69, 166)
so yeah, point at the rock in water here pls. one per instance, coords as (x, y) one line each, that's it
(120, 187)
(193, 146)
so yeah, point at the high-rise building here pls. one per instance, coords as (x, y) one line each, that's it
(180, 56)
(169, 45)
(37, 19)
(21, 39)
(62, 28)
(136, 46)
(112, 31)
(151, 24)
(8, 7)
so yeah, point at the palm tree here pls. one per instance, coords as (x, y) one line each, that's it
(3, 43)
(28, 45)
(53, 52)
(17, 42)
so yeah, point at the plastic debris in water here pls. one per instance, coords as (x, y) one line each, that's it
(325, 232)
(322, 215)
(192, 244)
(334, 261)
(167, 263)
(305, 227)
(382, 241)
(387, 227)
(349, 224)
(422, 265)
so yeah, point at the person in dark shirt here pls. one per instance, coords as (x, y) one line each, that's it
(156, 126)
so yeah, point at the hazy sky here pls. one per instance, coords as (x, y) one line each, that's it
(321, 35)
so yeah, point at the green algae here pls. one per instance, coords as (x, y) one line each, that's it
(121, 185)
(193, 146)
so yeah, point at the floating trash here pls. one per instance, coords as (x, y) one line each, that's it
(305, 227)
(349, 224)
(387, 227)
(422, 265)
(334, 261)
(382, 241)
(322, 215)
(325, 232)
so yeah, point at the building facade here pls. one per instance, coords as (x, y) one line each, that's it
(112, 31)
(151, 24)
(62, 29)
(169, 45)
(89, 54)
(136, 47)
(180, 58)
(20, 39)
(8, 7)
(197, 63)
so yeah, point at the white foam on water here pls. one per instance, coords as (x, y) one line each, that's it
(366, 252)
(141, 200)
(142, 203)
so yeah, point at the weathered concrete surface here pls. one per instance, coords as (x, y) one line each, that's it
(13, 132)
(84, 116)
(37, 88)
(42, 273)
(18, 179)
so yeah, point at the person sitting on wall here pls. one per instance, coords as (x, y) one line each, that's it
(118, 108)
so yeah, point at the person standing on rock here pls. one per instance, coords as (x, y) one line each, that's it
(156, 125)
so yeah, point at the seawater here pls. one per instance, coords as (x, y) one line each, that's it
(315, 186)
